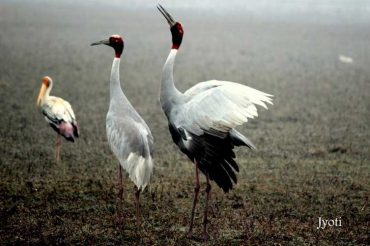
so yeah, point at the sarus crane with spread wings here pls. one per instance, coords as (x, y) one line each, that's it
(202, 120)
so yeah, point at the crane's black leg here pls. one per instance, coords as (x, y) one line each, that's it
(196, 192)
(205, 219)
(120, 197)
(57, 148)
(120, 183)
(137, 203)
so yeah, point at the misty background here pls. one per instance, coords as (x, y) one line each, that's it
(297, 10)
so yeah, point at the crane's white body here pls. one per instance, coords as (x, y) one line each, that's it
(128, 135)
(202, 120)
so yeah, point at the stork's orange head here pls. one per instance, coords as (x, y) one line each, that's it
(46, 81)
(46, 84)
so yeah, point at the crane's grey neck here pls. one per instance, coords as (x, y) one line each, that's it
(115, 85)
(169, 93)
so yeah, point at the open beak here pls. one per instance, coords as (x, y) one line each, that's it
(105, 41)
(166, 15)
(41, 94)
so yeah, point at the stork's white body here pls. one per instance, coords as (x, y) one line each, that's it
(58, 113)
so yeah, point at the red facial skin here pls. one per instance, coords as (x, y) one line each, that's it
(117, 44)
(177, 34)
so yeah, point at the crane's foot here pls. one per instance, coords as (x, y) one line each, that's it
(120, 196)
(120, 222)
(137, 205)
(120, 218)
(138, 220)
(189, 235)
(205, 236)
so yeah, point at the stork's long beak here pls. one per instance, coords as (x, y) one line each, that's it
(105, 41)
(166, 15)
(41, 94)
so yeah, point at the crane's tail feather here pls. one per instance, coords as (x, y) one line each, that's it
(221, 173)
(216, 158)
(239, 139)
(232, 163)
(139, 169)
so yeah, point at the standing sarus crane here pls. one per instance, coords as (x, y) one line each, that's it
(129, 137)
(202, 120)
(58, 113)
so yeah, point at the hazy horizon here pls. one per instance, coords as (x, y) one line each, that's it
(357, 11)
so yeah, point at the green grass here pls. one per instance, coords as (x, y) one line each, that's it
(271, 204)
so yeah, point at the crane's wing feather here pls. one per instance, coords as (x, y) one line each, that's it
(202, 86)
(214, 155)
(131, 142)
(218, 106)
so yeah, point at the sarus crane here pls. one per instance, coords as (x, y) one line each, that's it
(129, 137)
(202, 119)
(58, 113)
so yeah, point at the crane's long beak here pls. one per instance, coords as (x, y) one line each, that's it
(105, 41)
(41, 94)
(166, 15)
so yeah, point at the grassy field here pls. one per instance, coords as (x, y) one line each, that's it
(313, 157)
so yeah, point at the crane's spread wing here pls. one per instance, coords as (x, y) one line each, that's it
(202, 86)
(57, 110)
(131, 142)
(218, 106)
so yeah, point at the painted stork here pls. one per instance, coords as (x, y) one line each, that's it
(202, 120)
(58, 113)
(129, 137)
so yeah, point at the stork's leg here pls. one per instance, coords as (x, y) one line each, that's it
(57, 148)
(137, 204)
(196, 192)
(205, 218)
(120, 197)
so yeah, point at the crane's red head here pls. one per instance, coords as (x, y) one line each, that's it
(176, 28)
(114, 41)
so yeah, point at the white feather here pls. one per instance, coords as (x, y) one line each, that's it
(219, 105)
(58, 108)
(127, 139)
(139, 169)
